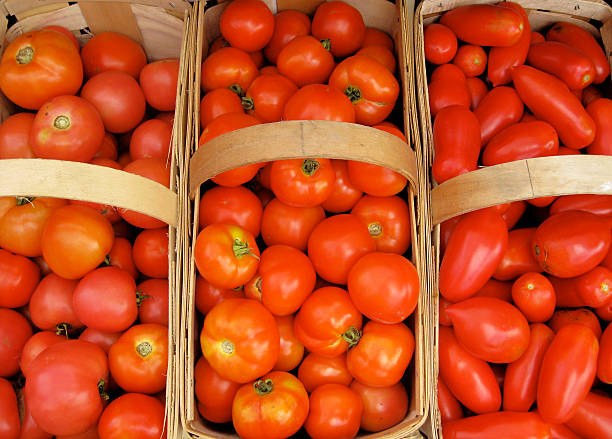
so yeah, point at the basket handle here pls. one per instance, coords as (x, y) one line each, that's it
(521, 180)
(86, 182)
(301, 139)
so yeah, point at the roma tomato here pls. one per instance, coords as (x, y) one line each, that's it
(19, 277)
(284, 224)
(604, 362)
(240, 340)
(336, 244)
(120, 256)
(228, 68)
(158, 82)
(594, 287)
(51, 306)
(274, 406)
(288, 25)
(132, 416)
(510, 425)
(581, 316)
(150, 252)
(518, 258)
(231, 205)
(306, 60)
(328, 323)
(317, 370)
(103, 339)
(472, 255)
(597, 204)
(207, 295)
(593, 418)
(151, 139)
(450, 409)
(440, 43)
(524, 140)
(319, 102)
(139, 359)
(38, 66)
(571, 243)
(500, 108)
(344, 194)
(108, 149)
(514, 213)
(448, 87)
(16, 331)
(66, 32)
(153, 307)
(291, 350)
(601, 112)
(15, 136)
(383, 407)
(10, 424)
(565, 62)
(535, 296)
(112, 51)
(267, 96)
(342, 24)
(247, 24)
(335, 412)
(302, 183)
(478, 90)
(35, 345)
(215, 393)
(217, 102)
(471, 59)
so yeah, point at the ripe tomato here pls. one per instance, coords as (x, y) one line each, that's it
(10, 425)
(377, 37)
(317, 370)
(288, 25)
(471, 59)
(133, 416)
(15, 331)
(284, 224)
(335, 412)
(65, 32)
(103, 339)
(601, 112)
(594, 287)
(565, 62)
(597, 204)
(139, 359)
(150, 252)
(344, 194)
(592, 418)
(217, 102)
(440, 43)
(51, 306)
(496, 289)
(226, 255)
(158, 81)
(247, 24)
(22, 225)
(19, 277)
(15, 136)
(274, 406)
(535, 296)
(29, 428)
(108, 150)
(375, 180)
(319, 102)
(35, 345)
(291, 350)
(500, 108)
(570, 359)
(120, 256)
(477, 89)
(381, 54)
(336, 243)
(207, 295)
(306, 60)
(342, 24)
(581, 316)
(38, 66)
(62, 374)
(382, 354)
(67, 128)
(231, 205)
(328, 323)
(571, 243)
(510, 425)
(448, 87)
(215, 393)
(518, 258)
(450, 409)
(151, 139)
(490, 329)
(266, 97)
(228, 68)
(605, 312)
(521, 141)
(383, 407)
(302, 183)
(604, 362)
(153, 307)
(112, 51)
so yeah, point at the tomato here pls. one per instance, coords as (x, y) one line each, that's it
(472, 60)
(470, 379)
(108, 150)
(120, 256)
(541, 201)
(61, 375)
(112, 51)
(604, 362)
(510, 425)
(503, 59)
(537, 37)
(158, 81)
(375, 180)
(580, 316)
(133, 416)
(302, 183)
(377, 37)
(571, 243)
(103, 339)
(550, 100)
(319, 102)
(151, 252)
(570, 359)
(383, 407)
(499, 109)
(514, 213)
(306, 60)
(344, 194)
(597, 204)
(154, 169)
(496, 289)
(65, 32)
(381, 54)
(154, 305)
(601, 112)
(472, 255)
(291, 350)
(328, 323)
(477, 90)
(490, 329)
(51, 304)
(605, 312)
(215, 393)
(450, 409)
(485, 25)
(335, 412)
(19, 277)
(247, 24)
(518, 258)
(266, 97)
(29, 428)
(15, 331)
(440, 43)
(139, 359)
(288, 25)
(317, 370)
(566, 292)
(231, 205)
(284, 224)
(151, 139)
(336, 244)
(207, 295)
(448, 87)
(565, 62)
(382, 354)
(15, 136)
(228, 68)
(39, 65)
(593, 416)
(342, 24)
(594, 287)
(217, 102)
(35, 345)
(10, 425)
(535, 296)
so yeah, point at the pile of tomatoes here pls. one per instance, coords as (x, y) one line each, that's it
(84, 286)
(301, 278)
(524, 286)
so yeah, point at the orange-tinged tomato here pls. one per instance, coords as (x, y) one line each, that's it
(21, 227)
(317, 370)
(288, 25)
(381, 54)
(15, 136)
(231, 205)
(344, 194)
(302, 183)
(284, 224)
(112, 51)
(215, 393)
(228, 67)
(319, 102)
(291, 350)
(335, 412)
(217, 102)
(306, 60)
(535, 296)
(518, 258)
(132, 415)
(158, 82)
(377, 37)
(247, 24)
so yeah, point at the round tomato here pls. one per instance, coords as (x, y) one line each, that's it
(518, 258)
(108, 150)
(376, 37)
(335, 412)
(139, 359)
(208, 295)
(22, 225)
(120, 256)
(153, 307)
(228, 68)
(306, 60)
(35, 345)
(267, 96)
(15, 136)
(449, 407)
(103, 339)
(151, 252)
(217, 102)
(383, 407)
(581, 316)
(38, 66)
(133, 416)
(274, 406)
(319, 102)
(380, 54)
(64, 31)
(247, 24)
(291, 350)
(317, 370)
(10, 424)
(440, 43)
(595, 287)
(471, 59)
(29, 428)
(375, 180)
(112, 51)
(478, 90)
(51, 306)
(535, 296)
(284, 224)
(215, 394)
(342, 24)
(344, 194)
(302, 183)
(151, 139)
(158, 81)
(231, 205)
(19, 277)
(15, 331)
(288, 25)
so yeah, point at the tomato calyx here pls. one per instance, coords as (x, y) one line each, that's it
(237, 89)
(101, 391)
(61, 122)
(353, 93)
(326, 43)
(242, 248)
(140, 297)
(25, 55)
(247, 103)
(375, 229)
(63, 329)
(24, 200)
(227, 347)
(144, 349)
(310, 166)
(352, 336)
(263, 387)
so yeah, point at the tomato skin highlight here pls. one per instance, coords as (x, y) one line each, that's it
(335, 412)
(523, 140)
(383, 407)
(342, 24)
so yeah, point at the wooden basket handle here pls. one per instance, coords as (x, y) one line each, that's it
(301, 139)
(86, 182)
(521, 180)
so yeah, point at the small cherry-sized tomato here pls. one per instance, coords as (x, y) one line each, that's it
(450, 409)
(500, 108)
(158, 82)
(10, 425)
(215, 393)
(231, 205)
(247, 24)
(208, 295)
(266, 97)
(226, 255)
(15, 136)
(288, 25)
(440, 43)
(284, 224)
(317, 370)
(112, 51)
(319, 102)
(19, 278)
(535, 296)
(133, 415)
(16, 331)
(335, 412)
(228, 68)
(581, 316)
(150, 252)
(518, 258)
(153, 306)
(509, 425)
(151, 139)
(291, 350)
(302, 183)
(306, 60)
(342, 24)
(471, 59)
(383, 407)
(217, 102)
(595, 287)
(344, 194)
(51, 306)
(154, 169)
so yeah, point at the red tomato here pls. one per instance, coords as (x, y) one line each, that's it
(215, 393)
(342, 24)
(376, 37)
(103, 339)
(589, 94)
(570, 359)
(207, 295)
(267, 96)
(291, 350)
(605, 312)
(477, 89)
(34, 346)
(565, 62)
(500, 108)
(597, 204)
(521, 377)
(510, 425)
(496, 289)
(580, 316)
(284, 224)
(518, 258)
(51, 304)
(344, 194)
(535, 296)
(65, 32)
(302, 183)
(472, 60)
(139, 359)
(38, 66)
(21, 227)
(217, 102)
(247, 24)
(108, 150)
(228, 68)
(133, 416)
(154, 305)
(319, 102)
(29, 428)
(375, 180)
(520, 141)
(566, 292)
(440, 43)
(15, 331)
(120, 256)
(118, 98)
(472, 255)
(381, 54)
(383, 407)
(448, 87)
(112, 51)
(450, 409)
(288, 25)
(514, 213)
(537, 37)
(571, 243)
(593, 416)
(15, 136)
(471, 380)
(604, 362)
(306, 60)
(231, 205)
(328, 323)
(151, 139)
(335, 412)
(19, 277)
(601, 112)
(158, 81)
(151, 252)
(594, 287)
(443, 318)
(276, 405)
(336, 244)
(10, 424)
(317, 370)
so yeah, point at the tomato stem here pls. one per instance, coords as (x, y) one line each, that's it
(144, 349)
(25, 55)
(62, 329)
(242, 249)
(240, 288)
(227, 347)
(107, 260)
(375, 229)
(237, 89)
(101, 391)
(140, 297)
(24, 200)
(353, 93)
(263, 387)
(326, 44)
(352, 336)
(248, 104)
(310, 166)
(61, 122)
